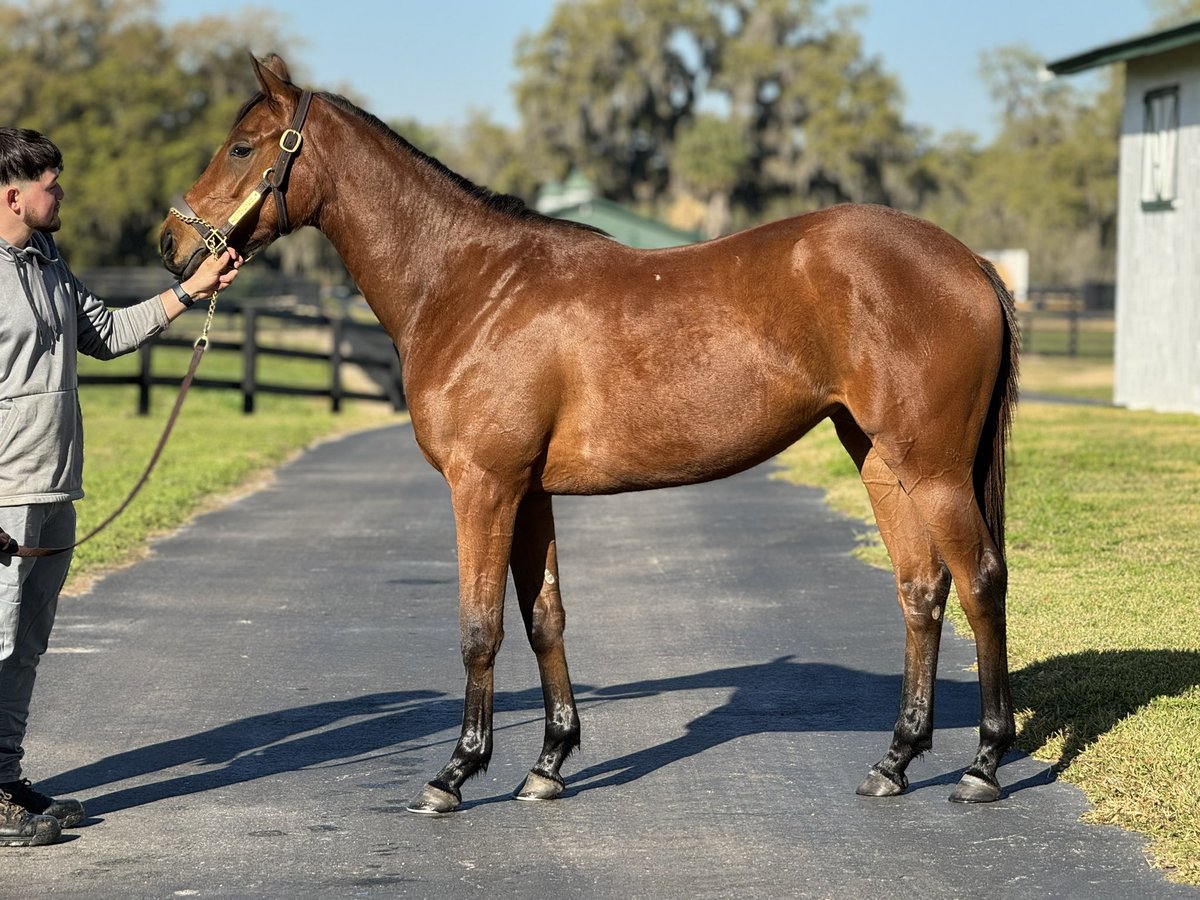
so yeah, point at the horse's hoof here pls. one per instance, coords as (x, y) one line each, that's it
(539, 787)
(973, 789)
(434, 801)
(879, 785)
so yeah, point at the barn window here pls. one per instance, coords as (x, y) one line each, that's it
(1159, 148)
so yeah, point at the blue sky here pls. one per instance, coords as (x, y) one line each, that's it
(435, 61)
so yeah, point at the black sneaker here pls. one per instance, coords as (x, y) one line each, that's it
(20, 828)
(69, 813)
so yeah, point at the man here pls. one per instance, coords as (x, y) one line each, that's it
(47, 316)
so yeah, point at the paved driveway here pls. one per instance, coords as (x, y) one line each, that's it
(246, 713)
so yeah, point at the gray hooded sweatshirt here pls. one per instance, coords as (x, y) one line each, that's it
(47, 316)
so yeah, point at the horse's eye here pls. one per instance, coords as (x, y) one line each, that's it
(241, 151)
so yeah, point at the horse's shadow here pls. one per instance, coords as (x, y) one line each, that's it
(779, 696)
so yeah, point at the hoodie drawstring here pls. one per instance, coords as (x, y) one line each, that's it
(49, 324)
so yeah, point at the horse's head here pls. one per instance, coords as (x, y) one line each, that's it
(249, 194)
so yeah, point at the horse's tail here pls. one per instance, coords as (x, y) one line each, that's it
(990, 457)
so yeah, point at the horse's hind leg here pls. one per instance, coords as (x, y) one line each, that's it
(947, 504)
(535, 574)
(981, 581)
(922, 585)
(484, 510)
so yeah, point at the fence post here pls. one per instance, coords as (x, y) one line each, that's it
(338, 329)
(249, 358)
(145, 380)
(1073, 332)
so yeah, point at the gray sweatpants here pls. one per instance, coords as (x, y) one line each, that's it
(28, 601)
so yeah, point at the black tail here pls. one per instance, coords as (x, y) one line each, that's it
(990, 457)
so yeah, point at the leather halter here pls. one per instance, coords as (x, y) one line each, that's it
(217, 239)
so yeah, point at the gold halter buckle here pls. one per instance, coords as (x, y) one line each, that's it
(295, 138)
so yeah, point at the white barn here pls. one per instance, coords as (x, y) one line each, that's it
(1157, 352)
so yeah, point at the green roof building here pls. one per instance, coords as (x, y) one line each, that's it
(574, 199)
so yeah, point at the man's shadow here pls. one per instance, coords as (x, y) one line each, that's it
(774, 697)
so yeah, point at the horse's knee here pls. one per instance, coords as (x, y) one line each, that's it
(923, 598)
(480, 640)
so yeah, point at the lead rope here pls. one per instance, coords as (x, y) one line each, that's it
(198, 349)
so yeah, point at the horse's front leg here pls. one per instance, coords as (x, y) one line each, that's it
(484, 510)
(535, 574)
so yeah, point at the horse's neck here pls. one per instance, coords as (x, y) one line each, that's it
(395, 220)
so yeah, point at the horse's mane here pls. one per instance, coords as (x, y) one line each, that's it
(507, 204)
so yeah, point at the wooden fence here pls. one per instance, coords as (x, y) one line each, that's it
(1068, 322)
(258, 331)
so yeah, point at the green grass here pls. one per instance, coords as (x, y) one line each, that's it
(1068, 377)
(215, 449)
(1104, 593)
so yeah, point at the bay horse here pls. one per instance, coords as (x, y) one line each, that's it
(541, 357)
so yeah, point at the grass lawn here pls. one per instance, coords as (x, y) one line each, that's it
(1104, 594)
(1073, 377)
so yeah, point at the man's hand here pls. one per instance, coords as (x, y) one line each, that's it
(7, 545)
(215, 274)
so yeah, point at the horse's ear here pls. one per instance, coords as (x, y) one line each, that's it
(274, 63)
(272, 74)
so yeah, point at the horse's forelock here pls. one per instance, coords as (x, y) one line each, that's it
(247, 106)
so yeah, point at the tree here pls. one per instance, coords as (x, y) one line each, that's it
(1169, 13)
(604, 87)
(494, 156)
(135, 108)
(430, 140)
(1047, 183)
(634, 93)
(825, 119)
(711, 158)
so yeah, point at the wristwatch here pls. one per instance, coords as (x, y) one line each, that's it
(182, 296)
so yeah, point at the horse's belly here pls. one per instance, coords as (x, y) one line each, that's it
(638, 449)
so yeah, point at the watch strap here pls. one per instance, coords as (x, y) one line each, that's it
(181, 295)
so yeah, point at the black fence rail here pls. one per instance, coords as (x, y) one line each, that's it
(1068, 321)
(255, 332)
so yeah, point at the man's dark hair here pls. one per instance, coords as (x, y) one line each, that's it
(26, 154)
